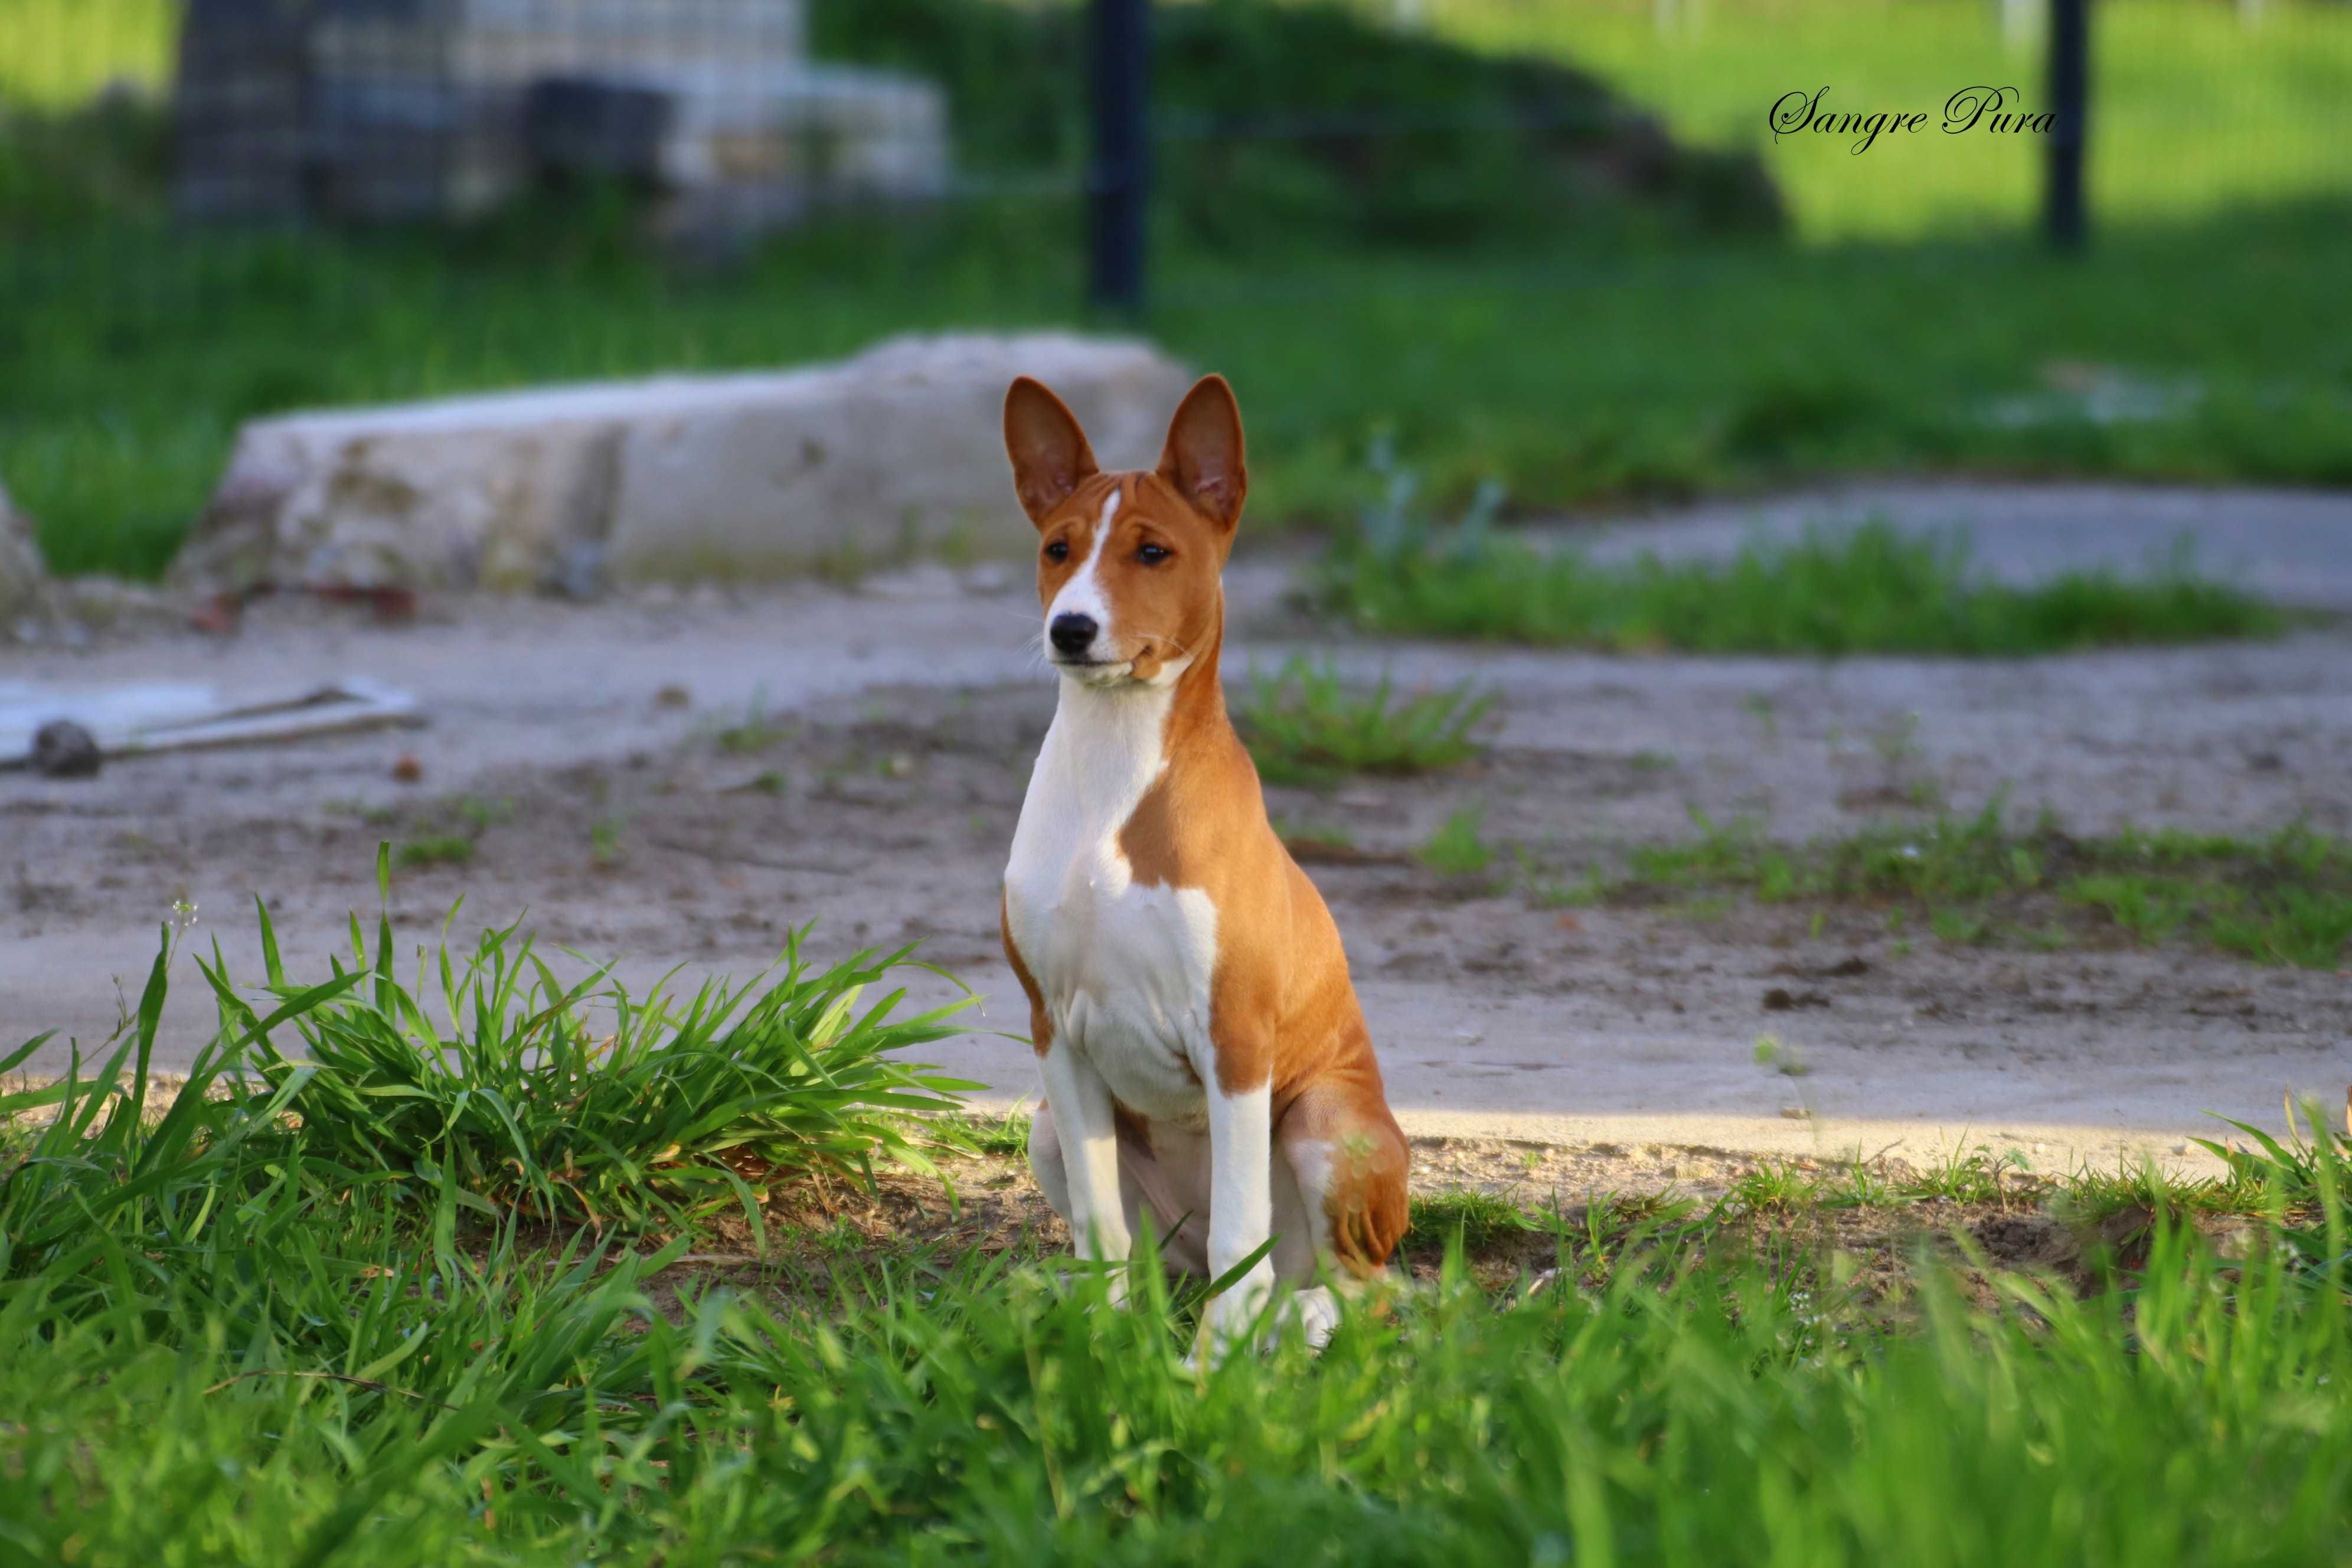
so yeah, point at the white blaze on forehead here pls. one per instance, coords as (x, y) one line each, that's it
(1083, 593)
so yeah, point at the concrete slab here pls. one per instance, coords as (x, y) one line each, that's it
(723, 477)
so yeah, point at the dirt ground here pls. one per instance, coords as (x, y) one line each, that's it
(675, 779)
(820, 1240)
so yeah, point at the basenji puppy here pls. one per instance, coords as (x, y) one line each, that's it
(1207, 1072)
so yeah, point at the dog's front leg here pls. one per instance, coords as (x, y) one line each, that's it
(1241, 1208)
(1082, 1116)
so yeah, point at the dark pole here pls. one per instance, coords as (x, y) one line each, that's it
(1122, 163)
(2070, 96)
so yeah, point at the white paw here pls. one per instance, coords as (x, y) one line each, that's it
(1317, 1314)
(1230, 1320)
(1114, 1278)
(1238, 1319)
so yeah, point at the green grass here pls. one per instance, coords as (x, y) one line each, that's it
(756, 732)
(2198, 111)
(1968, 1176)
(2304, 1172)
(2195, 108)
(1304, 725)
(492, 1082)
(53, 54)
(138, 351)
(2286, 899)
(1459, 847)
(1299, 126)
(1873, 590)
(438, 850)
(580, 1102)
(2299, 1176)
(2309, 926)
(1571, 370)
(958, 1411)
(141, 352)
(1007, 1136)
(1473, 1221)
(292, 1313)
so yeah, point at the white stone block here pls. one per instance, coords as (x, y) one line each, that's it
(861, 463)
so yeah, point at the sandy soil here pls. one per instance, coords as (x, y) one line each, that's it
(580, 743)
(1871, 1252)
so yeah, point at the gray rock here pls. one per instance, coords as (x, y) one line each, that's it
(64, 749)
(855, 465)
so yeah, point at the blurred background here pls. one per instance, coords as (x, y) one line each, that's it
(1548, 244)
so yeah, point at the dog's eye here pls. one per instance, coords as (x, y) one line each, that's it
(1153, 554)
(1057, 551)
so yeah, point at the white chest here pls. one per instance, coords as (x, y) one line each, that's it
(1124, 970)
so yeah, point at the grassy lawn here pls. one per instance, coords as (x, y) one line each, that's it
(442, 1292)
(124, 376)
(2195, 108)
(53, 54)
(1870, 591)
(1578, 370)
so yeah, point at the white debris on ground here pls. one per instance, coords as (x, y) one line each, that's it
(64, 732)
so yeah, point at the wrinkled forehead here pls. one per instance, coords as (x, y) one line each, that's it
(1140, 502)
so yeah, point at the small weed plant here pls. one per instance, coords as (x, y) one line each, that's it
(1304, 725)
(755, 732)
(1459, 848)
(436, 849)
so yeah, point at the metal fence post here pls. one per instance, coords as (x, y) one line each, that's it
(2070, 50)
(1121, 179)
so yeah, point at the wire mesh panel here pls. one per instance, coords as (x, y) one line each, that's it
(380, 111)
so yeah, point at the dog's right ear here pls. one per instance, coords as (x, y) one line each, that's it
(1049, 451)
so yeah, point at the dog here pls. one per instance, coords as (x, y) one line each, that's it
(1206, 1067)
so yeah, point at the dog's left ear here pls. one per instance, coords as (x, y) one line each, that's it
(1203, 458)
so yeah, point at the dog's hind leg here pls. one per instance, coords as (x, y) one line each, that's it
(1350, 1161)
(1149, 1195)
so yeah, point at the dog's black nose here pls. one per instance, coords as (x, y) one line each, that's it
(1074, 635)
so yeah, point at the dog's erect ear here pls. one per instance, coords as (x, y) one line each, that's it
(1203, 457)
(1049, 451)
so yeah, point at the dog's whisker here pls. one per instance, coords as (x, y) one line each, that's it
(1172, 642)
